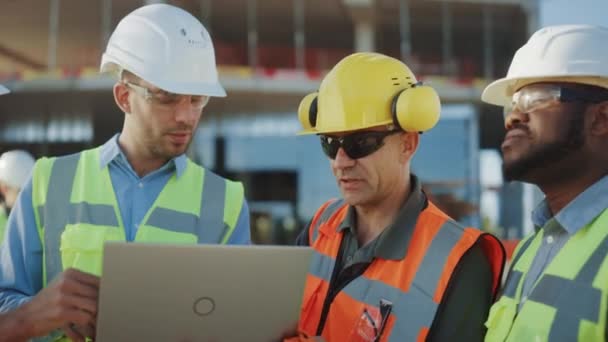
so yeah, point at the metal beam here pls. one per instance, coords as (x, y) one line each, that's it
(252, 33)
(488, 40)
(20, 58)
(299, 35)
(206, 13)
(446, 35)
(53, 34)
(106, 22)
(404, 30)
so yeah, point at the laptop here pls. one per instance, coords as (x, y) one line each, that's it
(200, 292)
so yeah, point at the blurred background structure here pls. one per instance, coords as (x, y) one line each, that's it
(271, 53)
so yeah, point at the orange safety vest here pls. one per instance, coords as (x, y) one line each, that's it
(414, 286)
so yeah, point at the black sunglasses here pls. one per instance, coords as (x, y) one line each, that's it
(356, 145)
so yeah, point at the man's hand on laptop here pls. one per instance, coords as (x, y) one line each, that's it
(68, 303)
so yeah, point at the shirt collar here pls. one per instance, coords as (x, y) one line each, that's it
(579, 212)
(392, 243)
(111, 151)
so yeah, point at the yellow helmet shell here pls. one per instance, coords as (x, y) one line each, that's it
(364, 90)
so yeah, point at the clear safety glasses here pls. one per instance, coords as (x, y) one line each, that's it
(543, 95)
(165, 98)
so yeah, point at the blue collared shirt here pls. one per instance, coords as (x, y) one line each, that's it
(577, 214)
(21, 252)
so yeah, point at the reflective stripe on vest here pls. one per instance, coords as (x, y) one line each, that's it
(223, 200)
(407, 325)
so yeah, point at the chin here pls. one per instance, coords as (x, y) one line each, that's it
(355, 199)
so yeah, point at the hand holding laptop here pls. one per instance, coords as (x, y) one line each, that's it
(68, 303)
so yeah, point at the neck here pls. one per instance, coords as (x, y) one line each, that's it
(139, 157)
(372, 219)
(560, 194)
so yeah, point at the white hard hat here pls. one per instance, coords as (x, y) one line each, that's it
(15, 167)
(564, 53)
(3, 90)
(167, 47)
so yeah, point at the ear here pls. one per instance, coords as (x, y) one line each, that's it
(599, 120)
(121, 97)
(410, 142)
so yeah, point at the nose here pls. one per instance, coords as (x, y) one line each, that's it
(185, 111)
(515, 116)
(342, 160)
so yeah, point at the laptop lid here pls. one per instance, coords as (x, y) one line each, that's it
(200, 292)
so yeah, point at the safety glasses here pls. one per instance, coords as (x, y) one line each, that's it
(355, 145)
(165, 98)
(540, 96)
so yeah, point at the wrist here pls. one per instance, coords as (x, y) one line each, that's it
(26, 319)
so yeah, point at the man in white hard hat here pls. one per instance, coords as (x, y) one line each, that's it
(139, 186)
(15, 169)
(555, 96)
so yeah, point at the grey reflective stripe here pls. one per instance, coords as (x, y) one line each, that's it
(209, 226)
(321, 266)
(412, 310)
(56, 211)
(96, 214)
(327, 213)
(430, 270)
(512, 282)
(573, 300)
(174, 221)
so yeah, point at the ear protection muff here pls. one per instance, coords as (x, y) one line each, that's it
(307, 111)
(416, 109)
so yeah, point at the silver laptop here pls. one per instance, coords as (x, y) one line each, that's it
(200, 293)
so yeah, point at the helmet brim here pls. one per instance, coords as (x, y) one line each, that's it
(330, 130)
(213, 89)
(500, 92)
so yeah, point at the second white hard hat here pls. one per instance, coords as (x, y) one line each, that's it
(167, 47)
(15, 167)
(564, 53)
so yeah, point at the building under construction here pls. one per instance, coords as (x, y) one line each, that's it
(271, 53)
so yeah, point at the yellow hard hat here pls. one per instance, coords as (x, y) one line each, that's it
(366, 90)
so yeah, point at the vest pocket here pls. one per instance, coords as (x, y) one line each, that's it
(82, 246)
(500, 320)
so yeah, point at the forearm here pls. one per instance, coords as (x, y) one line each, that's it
(15, 326)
